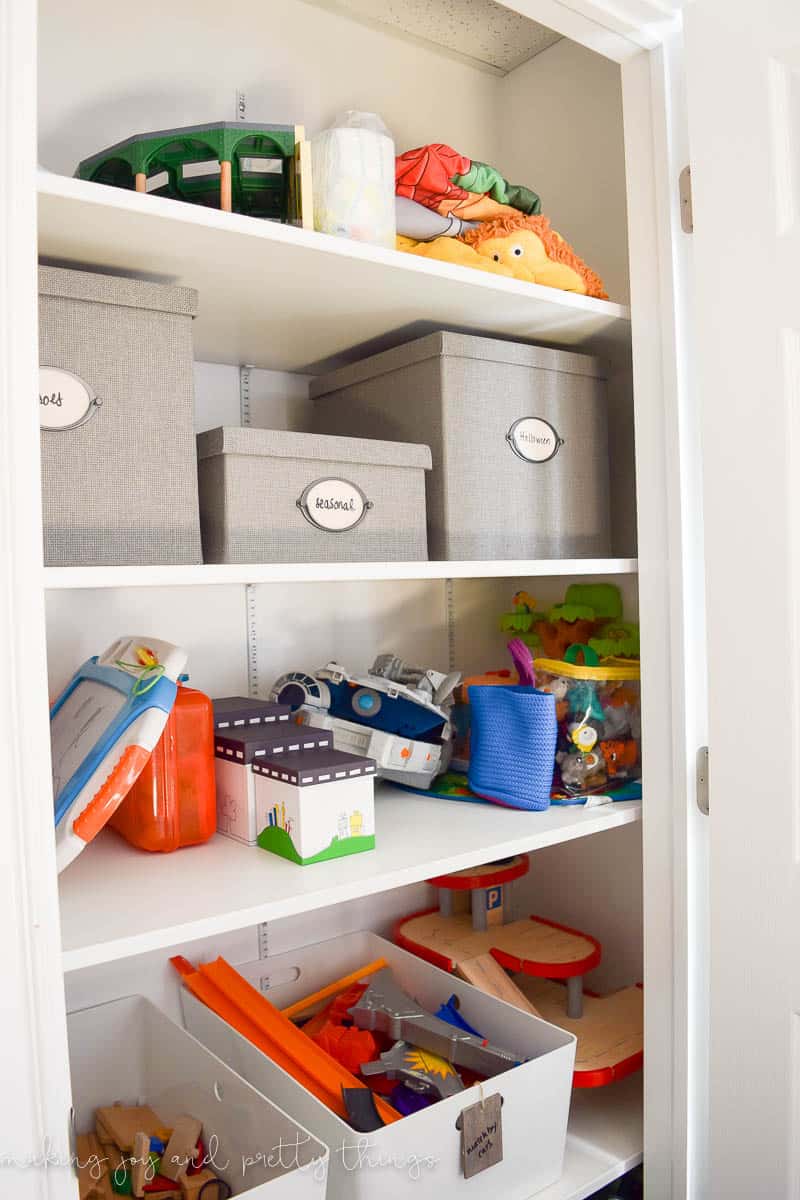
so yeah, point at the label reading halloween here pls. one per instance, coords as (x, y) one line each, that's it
(534, 439)
(65, 400)
(334, 505)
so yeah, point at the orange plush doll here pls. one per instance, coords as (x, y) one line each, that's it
(533, 251)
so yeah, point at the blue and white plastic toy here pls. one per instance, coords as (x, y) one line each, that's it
(103, 729)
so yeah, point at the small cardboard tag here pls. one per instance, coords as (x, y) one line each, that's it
(482, 1135)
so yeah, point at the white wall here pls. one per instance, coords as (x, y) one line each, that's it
(153, 65)
(562, 136)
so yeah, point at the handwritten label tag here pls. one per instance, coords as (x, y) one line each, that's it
(534, 439)
(65, 400)
(334, 505)
(481, 1135)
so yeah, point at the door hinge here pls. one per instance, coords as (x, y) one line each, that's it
(701, 780)
(685, 195)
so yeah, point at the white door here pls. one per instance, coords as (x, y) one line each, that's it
(743, 72)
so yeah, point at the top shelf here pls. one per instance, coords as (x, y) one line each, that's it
(273, 296)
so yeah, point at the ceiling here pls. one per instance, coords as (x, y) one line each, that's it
(482, 31)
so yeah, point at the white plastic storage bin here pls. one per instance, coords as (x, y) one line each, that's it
(116, 405)
(419, 1156)
(519, 437)
(129, 1051)
(268, 495)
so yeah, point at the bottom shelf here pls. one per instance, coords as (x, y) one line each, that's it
(604, 1139)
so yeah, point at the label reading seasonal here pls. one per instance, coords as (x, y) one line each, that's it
(534, 439)
(65, 400)
(334, 505)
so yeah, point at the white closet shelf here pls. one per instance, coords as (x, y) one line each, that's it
(275, 296)
(117, 901)
(604, 1139)
(57, 578)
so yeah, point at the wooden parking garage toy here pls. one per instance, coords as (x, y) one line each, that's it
(470, 935)
(260, 170)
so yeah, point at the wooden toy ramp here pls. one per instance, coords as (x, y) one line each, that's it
(532, 946)
(610, 1033)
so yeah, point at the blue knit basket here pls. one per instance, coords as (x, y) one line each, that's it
(512, 745)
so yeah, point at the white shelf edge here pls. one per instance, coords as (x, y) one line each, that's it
(605, 1139)
(63, 578)
(196, 215)
(351, 879)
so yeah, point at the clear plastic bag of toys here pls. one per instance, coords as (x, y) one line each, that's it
(352, 166)
(599, 721)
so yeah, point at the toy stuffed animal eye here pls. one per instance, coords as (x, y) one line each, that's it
(496, 257)
(517, 251)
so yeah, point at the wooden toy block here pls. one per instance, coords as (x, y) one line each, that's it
(181, 1147)
(123, 1123)
(89, 1147)
(485, 972)
(301, 208)
(225, 186)
(92, 1165)
(100, 1189)
(161, 1188)
(140, 1160)
(101, 1133)
(191, 1186)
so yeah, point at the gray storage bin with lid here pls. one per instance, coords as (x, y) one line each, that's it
(518, 434)
(116, 400)
(269, 495)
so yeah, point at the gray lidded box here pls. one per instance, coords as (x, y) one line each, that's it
(119, 474)
(269, 495)
(518, 434)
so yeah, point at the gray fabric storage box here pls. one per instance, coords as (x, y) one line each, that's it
(268, 495)
(518, 434)
(119, 476)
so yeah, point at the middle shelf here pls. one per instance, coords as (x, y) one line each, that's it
(117, 901)
(58, 578)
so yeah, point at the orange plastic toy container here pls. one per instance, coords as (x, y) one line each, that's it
(174, 802)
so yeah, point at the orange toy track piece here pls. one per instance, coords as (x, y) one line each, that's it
(340, 985)
(300, 1048)
(231, 997)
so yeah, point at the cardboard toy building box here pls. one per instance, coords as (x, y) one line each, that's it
(116, 402)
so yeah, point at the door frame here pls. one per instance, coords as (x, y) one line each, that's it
(35, 1112)
(645, 38)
